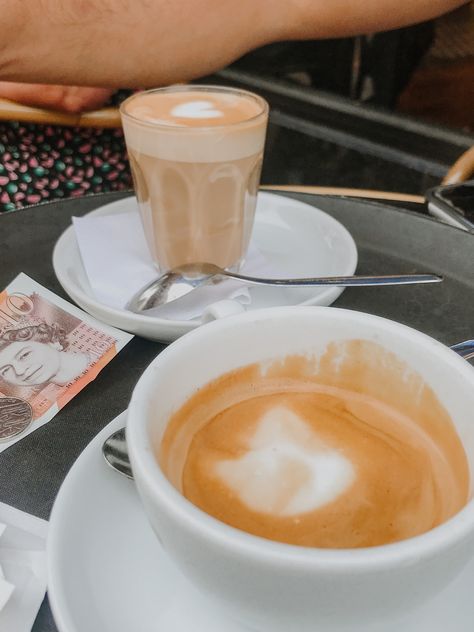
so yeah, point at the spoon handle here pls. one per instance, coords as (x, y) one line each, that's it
(464, 349)
(343, 281)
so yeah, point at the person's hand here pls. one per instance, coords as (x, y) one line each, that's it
(69, 99)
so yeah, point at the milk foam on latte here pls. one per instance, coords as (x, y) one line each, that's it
(196, 110)
(348, 450)
(193, 109)
(287, 469)
(240, 135)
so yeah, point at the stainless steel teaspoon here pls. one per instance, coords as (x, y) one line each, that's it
(180, 281)
(115, 453)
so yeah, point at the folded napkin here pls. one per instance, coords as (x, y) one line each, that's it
(119, 241)
(22, 568)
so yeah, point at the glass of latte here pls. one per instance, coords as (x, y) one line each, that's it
(196, 155)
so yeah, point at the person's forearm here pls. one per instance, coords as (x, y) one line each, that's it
(315, 19)
(156, 42)
(128, 43)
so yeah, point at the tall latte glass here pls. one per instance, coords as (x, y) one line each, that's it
(196, 154)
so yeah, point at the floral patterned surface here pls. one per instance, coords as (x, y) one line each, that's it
(43, 162)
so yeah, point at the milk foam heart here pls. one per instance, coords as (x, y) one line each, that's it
(287, 470)
(196, 110)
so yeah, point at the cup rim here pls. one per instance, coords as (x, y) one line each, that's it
(444, 536)
(195, 88)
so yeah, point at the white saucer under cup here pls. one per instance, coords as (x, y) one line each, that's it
(294, 237)
(108, 572)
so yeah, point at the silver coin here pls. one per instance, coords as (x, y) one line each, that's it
(16, 415)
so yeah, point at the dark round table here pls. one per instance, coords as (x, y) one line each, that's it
(389, 240)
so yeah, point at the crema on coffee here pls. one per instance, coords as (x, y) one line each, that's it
(196, 157)
(349, 450)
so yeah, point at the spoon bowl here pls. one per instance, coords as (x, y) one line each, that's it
(114, 451)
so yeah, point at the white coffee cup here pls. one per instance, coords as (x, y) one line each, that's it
(272, 586)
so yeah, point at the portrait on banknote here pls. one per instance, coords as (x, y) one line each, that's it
(49, 350)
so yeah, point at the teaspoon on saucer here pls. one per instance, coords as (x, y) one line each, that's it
(114, 448)
(115, 453)
(181, 280)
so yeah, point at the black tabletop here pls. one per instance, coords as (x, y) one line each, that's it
(32, 470)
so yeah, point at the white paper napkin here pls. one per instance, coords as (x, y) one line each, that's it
(6, 588)
(118, 264)
(23, 568)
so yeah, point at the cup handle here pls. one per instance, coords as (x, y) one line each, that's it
(221, 309)
(464, 349)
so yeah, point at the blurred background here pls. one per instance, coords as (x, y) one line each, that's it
(389, 111)
(392, 111)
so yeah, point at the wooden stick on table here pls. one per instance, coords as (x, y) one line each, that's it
(105, 117)
(462, 170)
(363, 193)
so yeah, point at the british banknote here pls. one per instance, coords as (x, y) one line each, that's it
(49, 351)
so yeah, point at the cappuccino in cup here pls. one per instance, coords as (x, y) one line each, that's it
(294, 452)
(315, 472)
(196, 155)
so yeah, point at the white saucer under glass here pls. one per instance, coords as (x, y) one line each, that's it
(108, 572)
(291, 235)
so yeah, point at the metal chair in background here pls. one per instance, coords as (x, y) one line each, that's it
(462, 169)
